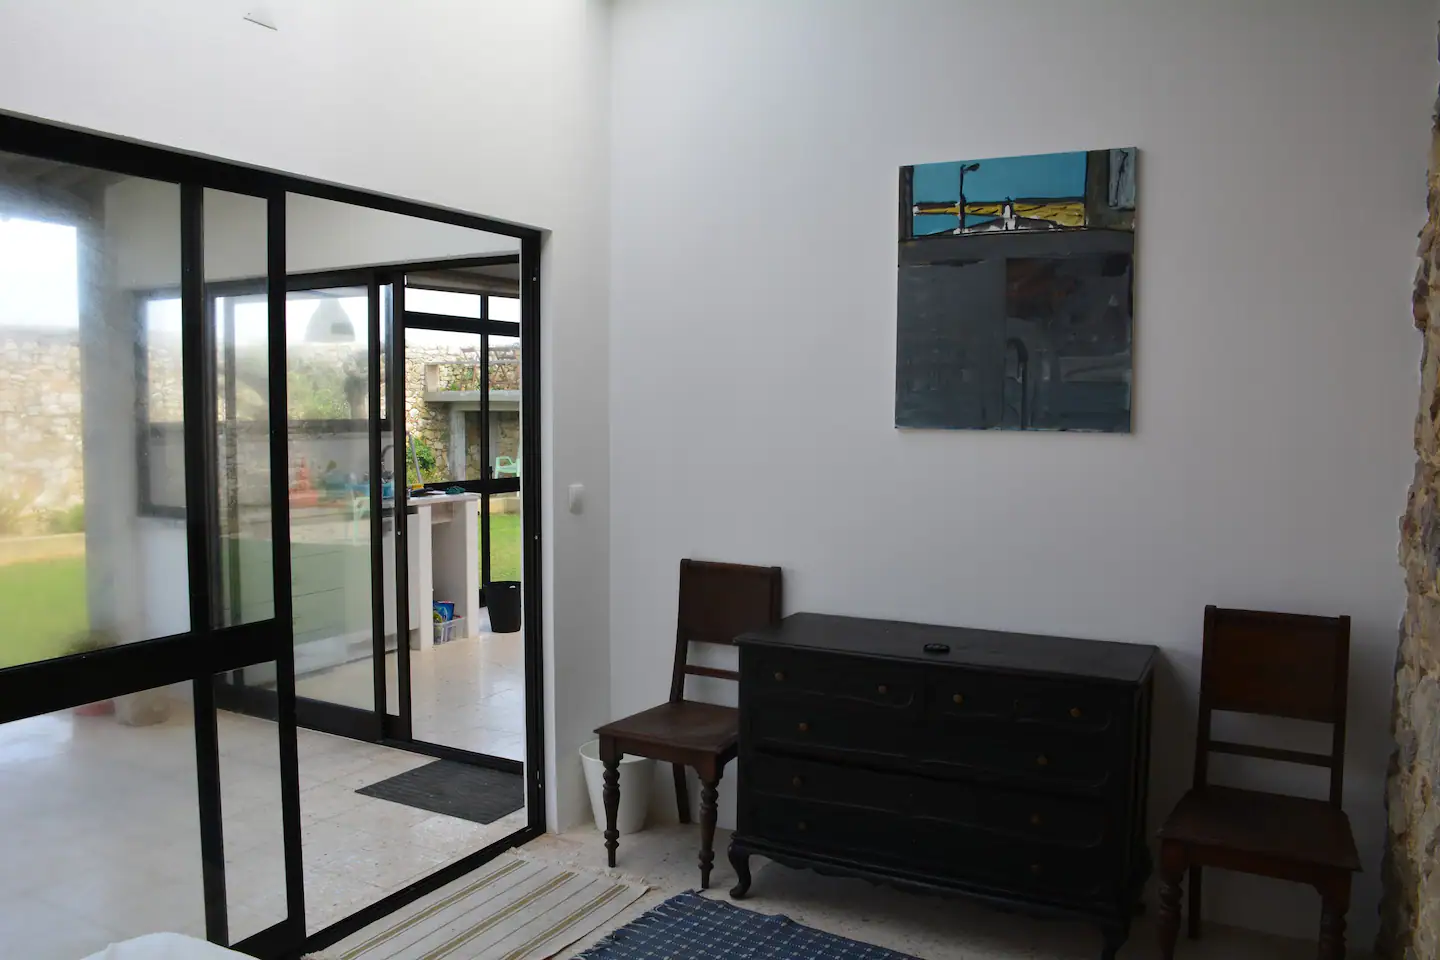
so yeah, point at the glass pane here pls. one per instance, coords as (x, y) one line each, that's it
(443, 384)
(445, 302)
(505, 309)
(163, 485)
(92, 540)
(504, 406)
(357, 849)
(328, 377)
(250, 807)
(505, 536)
(103, 841)
(235, 235)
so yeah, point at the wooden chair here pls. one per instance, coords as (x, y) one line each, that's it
(1279, 665)
(718, 602)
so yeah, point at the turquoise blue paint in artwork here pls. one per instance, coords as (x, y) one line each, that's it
(1037, 176)
(928, 224)
(1051, 176)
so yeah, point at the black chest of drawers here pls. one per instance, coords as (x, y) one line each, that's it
(1007, 767)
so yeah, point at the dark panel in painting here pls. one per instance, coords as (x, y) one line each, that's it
(1015, 293)
(1017, 332)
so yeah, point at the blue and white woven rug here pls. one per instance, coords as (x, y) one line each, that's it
(689, 927)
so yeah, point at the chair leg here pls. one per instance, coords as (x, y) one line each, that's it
(1172, 873)
(1335, 903)
(1193, 915)
(709, 793)
(610, 793)
(682, 792)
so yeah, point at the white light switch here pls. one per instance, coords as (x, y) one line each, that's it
(577, 498)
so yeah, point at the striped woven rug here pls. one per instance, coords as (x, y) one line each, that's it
(514, 909)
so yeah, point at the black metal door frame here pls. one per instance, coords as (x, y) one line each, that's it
(208, 651)
(399, 727)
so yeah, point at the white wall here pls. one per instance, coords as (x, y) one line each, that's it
(755, 148)
(490, 106)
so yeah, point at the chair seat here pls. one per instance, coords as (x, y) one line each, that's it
(687, 725)
(1293, 829)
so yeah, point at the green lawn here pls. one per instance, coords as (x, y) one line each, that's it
(505, 546)
(42, 603)
(42, 608)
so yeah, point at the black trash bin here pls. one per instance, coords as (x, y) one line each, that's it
(503, 599)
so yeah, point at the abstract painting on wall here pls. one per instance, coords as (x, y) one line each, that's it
(1016, 293)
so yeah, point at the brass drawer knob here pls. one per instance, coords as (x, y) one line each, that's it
(804, 727)
(882, 689)
(1035, 869)
(779, 676)
(797, 783)
(958, 699)
(1042, 761)
(1035, 820)
(1076, 712)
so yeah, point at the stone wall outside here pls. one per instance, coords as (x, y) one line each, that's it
(41, 417)
(40, 456)
(1410, 908)
(431, 421)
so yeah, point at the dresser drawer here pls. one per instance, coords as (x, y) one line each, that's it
(1047, 871)
(1041, 818)
(1018, 755)
(960, 696)
(955, 852)
(770, 775)
(1034, 817)
(817, 725)
(784, 674)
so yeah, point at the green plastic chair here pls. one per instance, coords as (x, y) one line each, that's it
(507, 467)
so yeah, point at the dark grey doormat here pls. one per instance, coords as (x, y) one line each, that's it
(689, 927)
(477, 794)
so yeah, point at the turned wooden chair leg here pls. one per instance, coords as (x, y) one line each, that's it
(610, 757)
(1334, 904)
(682, 792)
(709, 793)
(1172, 873)
(1192, 918)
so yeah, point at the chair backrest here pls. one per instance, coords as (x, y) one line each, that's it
(1277, 665)
(718, 602)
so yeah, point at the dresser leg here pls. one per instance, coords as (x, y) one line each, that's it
(610, 793)
(740, 860)
(1115, 938)
(709, 793)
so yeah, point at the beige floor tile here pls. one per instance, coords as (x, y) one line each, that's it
(111, 849)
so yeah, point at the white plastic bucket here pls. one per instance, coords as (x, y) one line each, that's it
(636, 774)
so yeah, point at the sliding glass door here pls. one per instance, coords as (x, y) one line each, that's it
(203, 566)
(139, 510)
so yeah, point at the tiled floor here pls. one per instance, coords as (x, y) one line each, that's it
(102, 838)
(466, 693)
(928, 927)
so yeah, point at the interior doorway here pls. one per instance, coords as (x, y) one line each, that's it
(462, 439)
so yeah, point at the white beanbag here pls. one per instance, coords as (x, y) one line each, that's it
(164, 946)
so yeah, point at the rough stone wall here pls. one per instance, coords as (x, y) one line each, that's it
(458, 371)
(40, 456)
(1410, 909)
(41, 447)
(430, 421)
(507, 440)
